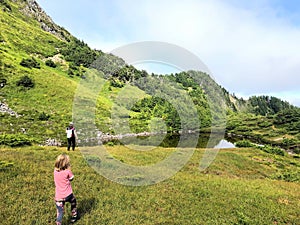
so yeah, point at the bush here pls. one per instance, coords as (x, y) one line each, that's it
(50, 63)
(6, 6)
(287, 142)
(264, 124)
(116, 83)
(26, 82)
(79, 53)
(244, 144)
(110, 143)
(272, 150)
(288, 176)
(243, 129)
(3, 82)
(44, 117)
(30, 63)
(15, 140)
(296, 151)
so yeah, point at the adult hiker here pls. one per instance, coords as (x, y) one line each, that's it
(71, 136)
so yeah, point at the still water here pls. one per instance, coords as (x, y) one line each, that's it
(203, 140)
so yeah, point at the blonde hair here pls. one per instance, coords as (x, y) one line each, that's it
(62, 162)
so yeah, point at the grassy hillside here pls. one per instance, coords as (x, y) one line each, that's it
(242, 186)
(41, 65)
(52, 64)
(280, 129)
(53, 91)
(45, 104)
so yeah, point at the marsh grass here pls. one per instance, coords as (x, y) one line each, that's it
(237, 188)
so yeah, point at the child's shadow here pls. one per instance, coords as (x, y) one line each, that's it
(85, 206)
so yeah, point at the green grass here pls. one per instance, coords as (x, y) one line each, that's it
(54, 91)
(261, 129)
(238, 188)
(22, 38)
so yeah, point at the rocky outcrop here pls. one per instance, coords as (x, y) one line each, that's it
(5, 109)
(32, 9)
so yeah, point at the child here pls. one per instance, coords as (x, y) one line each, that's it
(63, 190)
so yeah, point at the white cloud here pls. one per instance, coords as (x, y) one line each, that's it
(249, 50)
(251, 47)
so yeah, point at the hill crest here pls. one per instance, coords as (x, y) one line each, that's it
(40, 86)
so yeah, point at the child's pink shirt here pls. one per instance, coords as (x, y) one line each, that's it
(62, 183)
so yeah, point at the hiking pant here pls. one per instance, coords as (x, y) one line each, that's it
(71, 142)
(60, 207)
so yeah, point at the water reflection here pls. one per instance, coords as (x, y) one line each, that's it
(216, 140)
(224, 144)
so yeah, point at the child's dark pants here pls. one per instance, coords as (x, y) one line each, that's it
(60, 207)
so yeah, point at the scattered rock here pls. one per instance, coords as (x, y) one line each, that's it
(52, 142)
(5, 109)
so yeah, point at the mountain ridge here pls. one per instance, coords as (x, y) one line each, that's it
(33, 9)
(42, 64)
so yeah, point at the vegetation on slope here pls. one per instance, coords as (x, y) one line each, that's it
(42, 63)
(266, 105)
(281, 129)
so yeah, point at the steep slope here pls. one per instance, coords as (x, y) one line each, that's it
(41, 65)
(45, 106)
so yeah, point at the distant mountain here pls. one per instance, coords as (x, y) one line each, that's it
(42, 64)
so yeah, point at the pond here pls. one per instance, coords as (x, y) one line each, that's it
(203, 140)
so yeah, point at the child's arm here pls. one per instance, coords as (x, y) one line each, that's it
(71, 175)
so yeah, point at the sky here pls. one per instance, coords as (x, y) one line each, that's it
(250, 47)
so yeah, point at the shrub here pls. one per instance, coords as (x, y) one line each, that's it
(272, 150)
(79, 53)
(244, 144)
(3, 82)
(6, 6)
(110, 143)
(243, 129)
(15, 140)
(43, 116)
(287, 142)
(265, 124)
(288, 176)
(50, 63)
(296, 151)
(26, 82)
(116, 83)
(30, 63)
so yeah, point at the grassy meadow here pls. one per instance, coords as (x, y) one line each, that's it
(242, 186)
